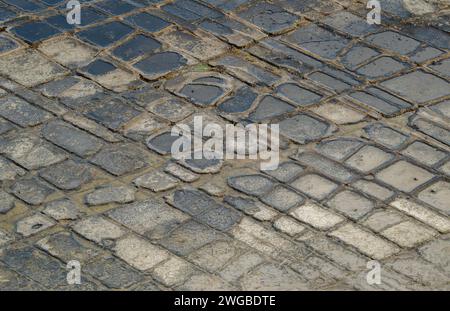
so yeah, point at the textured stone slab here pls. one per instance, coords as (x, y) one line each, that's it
(282, 198)
(150, 217)
(318, 40)
(20, 112)
(139, 253)
(246, 71)
(121, 159)
(62, 209)
(68, 52)
(113, 273)
(351, 204)
(6, 202)
(67, 246)
(110, 194)
(368, 243)
(160, 64)
(71, 138)
(422, 213)
(316, 216)
(32, 190)
(408, 234)
(99, 230)
(394, 41)
(418, 86)
(437, 195)
(30, 151)
(29, 68)
(315, 186)
(304, 128)
(41, 268)
(8, 170)
(404, 176)
(251, 184)
(348, 23)
(33, 224)
(272, 19)
(68, 175)
(325, 166)
(189, 237)
(203, 47)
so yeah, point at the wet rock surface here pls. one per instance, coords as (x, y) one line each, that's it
(86, 172)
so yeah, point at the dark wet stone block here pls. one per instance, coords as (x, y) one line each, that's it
(227, 5)
(318, 41)
(89, 16)
(148, 22)
(181, 12)
(381, 101)
(189, 237)
(192, 201)
(99, 67)
(247, 71)
(199, 9)
(424, 54)
(26, 5)
(303, 128)
(381, 67)
(393, 41)
(160, 64)
(272, 19)
(270, 107)
(136, 47)
(59, 22)
(203, 166)
(430, 128)
(35, 31)
(396, 8)
(240, 102)
(247, 205)
(112, 113)
(202, 94)
(106, 34)
(7, 44)
(418, 86)
(53, 2)
(281, 55)
(115, 7)
(349, 23)
(443, 67)
(357, 55)
(428, 34)
(297, 94)
(330, 82)
(6, 14)
(162, 143)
